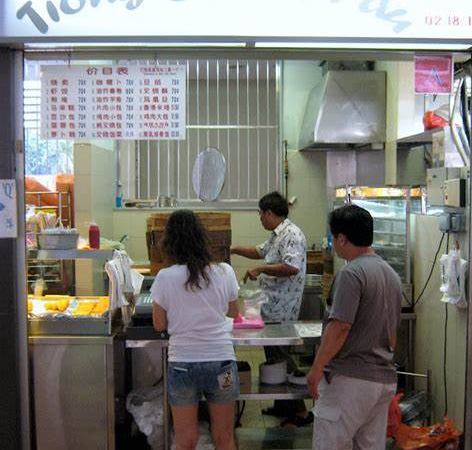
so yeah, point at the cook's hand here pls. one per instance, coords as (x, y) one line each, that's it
(252, 274)
(313, 380)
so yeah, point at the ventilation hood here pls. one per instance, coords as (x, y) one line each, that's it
(346, 109)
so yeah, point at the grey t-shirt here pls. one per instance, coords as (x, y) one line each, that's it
(366, 293)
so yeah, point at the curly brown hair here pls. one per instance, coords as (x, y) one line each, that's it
(185, 242)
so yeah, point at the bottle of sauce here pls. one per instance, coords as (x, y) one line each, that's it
(94, 236)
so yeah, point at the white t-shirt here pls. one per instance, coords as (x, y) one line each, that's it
(197, 324)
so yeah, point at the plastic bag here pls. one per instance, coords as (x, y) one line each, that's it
(146, 406)
(453, 272)
(441, 436)
(205, 441)
(253, 297)
(432, 120)
(414, 408)
(394, 416)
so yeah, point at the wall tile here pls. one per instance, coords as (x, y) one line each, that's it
(137, 249)
(82, 192)
(82, 160)
(122, 224)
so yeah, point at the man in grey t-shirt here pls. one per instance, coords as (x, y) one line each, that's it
(353, 377)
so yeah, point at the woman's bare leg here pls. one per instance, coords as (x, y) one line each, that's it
(185, 419)
(222, 425)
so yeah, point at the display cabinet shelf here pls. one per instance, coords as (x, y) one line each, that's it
(70, 254)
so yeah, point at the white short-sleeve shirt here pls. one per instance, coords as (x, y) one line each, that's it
(286, 245)
(197, 324)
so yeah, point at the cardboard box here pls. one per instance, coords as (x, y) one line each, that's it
(244, 372)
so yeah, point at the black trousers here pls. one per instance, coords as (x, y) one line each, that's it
(280, 353)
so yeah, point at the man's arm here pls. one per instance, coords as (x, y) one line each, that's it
(332, 341)
(275, 270)
(246, 251)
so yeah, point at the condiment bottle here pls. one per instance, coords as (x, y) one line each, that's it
(94, 236)
(38, 287)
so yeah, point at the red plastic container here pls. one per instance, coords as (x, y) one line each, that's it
(94, 236)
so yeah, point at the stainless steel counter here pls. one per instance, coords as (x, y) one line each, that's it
(72, 340)
(77, 382)
(293, 333)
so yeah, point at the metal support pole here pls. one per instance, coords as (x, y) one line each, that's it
(165, 401)
(14, 380)
(468, 379)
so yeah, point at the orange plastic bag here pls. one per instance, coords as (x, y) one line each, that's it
(394, 416)
(432, 120)
(441, 436)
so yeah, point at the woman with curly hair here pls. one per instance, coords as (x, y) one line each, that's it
(192, 300)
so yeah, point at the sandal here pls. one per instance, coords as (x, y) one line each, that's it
(297, 421)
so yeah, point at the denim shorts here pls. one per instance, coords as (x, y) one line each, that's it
(187, 382)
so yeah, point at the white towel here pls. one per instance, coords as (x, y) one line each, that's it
(123, 280)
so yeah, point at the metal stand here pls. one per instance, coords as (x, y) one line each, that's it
(165, 404)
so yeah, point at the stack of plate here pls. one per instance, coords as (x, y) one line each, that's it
(313, 280)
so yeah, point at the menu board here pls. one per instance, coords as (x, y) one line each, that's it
(113, 102)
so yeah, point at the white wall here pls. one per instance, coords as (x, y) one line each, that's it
(299, 77)
(94, 177)
(430, 321)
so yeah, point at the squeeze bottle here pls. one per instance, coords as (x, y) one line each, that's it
(94, 236)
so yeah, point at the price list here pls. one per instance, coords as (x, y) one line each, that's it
(113, 102)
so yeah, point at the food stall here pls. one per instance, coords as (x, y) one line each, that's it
(242, 93)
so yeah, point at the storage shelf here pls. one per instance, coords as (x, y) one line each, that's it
(396, 264)
(400, 248)
(390, 233)
(426, 137)
(274, 392)
(390, 219)
(70, 254)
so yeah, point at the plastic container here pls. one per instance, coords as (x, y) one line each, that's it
(273, 372)
(94, 236)
(59, 241)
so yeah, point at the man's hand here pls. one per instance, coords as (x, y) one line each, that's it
(252, 274)
(313, 380)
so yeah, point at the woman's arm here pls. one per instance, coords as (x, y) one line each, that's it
(233, 309)
(159, 317)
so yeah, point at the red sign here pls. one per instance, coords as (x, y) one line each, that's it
(433, 74)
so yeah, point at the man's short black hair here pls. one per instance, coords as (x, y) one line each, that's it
(355, 223)
(274, 202)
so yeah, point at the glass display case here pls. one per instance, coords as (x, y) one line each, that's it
(391, 209)
(63, 313)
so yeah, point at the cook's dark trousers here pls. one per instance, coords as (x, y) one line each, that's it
(280, 353)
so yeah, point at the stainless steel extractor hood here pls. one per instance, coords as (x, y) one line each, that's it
(346, 109)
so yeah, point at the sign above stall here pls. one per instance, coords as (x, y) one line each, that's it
(113, 102)
(433, 74)
(237, 20)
